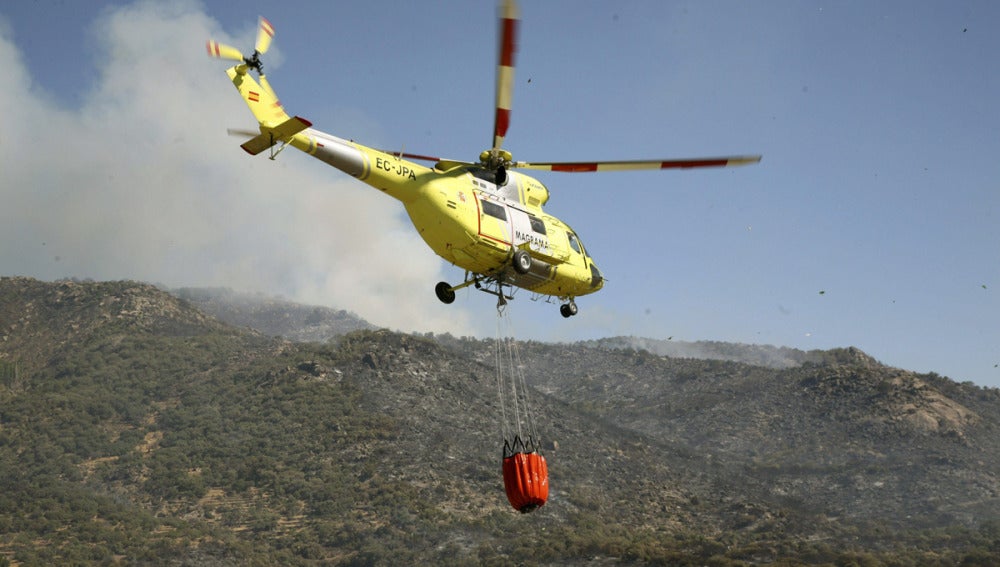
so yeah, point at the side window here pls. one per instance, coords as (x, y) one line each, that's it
(494, 210)
(536, 224)
(574, 243)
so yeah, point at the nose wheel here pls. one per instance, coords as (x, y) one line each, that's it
(568, 309)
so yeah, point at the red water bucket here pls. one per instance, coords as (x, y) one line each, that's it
(526, 480)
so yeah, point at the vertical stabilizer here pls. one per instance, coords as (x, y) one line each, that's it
(259, 97)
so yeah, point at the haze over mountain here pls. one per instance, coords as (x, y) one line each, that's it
(136, 428)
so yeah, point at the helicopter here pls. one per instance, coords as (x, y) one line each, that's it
(481, 216)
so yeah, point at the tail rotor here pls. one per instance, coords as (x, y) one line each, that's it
(265, 31)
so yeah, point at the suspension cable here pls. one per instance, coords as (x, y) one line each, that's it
(511, 382)
(518, 375)
(498, 358)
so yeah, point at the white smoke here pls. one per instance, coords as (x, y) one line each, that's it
(142, 182)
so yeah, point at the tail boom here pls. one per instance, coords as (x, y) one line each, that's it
(391, 174)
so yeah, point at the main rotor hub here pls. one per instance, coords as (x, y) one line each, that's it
(496, 158)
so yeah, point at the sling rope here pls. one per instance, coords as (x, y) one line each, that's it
(517, 422)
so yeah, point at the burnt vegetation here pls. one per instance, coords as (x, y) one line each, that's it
(137, 429)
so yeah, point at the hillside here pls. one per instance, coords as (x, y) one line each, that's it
(136, 429)
(271, 316)
(844, 439)
(757, 355)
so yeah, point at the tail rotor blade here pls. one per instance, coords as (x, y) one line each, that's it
(265, 31)
(509, 16)
(241, 133)
(222, 51)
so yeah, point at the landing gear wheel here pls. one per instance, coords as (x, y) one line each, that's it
(568, 309)
(444, 292)
(522, 262)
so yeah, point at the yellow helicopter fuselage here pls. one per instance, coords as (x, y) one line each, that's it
(457, 208)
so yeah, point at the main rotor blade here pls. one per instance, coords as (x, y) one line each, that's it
(222, 51)
(410, 156)
(265, 31)
(584, 166)
(440, 163)
(509, 16)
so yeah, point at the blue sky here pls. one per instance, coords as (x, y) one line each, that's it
(872, 221)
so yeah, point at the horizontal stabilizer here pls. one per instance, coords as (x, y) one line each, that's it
(270, 136)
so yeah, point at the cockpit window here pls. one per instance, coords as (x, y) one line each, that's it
(574, 243)
(536, 224)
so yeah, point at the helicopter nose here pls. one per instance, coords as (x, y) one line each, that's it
(596, 279)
